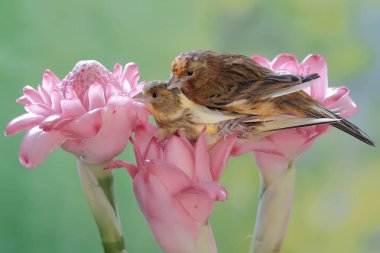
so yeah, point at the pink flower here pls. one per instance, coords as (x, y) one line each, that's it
(176, 187)
(89, 113)
(280, 148)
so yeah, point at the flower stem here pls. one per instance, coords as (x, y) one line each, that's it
(273, 212)
(206, 241)
(98, 188)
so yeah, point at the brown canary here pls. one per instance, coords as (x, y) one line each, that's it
(173, 111)
(236, 83)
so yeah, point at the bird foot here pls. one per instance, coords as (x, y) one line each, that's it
(227, 127)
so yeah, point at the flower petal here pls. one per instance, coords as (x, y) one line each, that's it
(202, 171)
(199, 201)
(44, 95)
(171, 177)
(173, 228)
(339, 101)
(154, 151)
(316, 64)
(39, 109)
(96, 96)
(131, 168)
(55, 122)
(219, 154)
(37, 145)
(86, 126)
(143, 136)
(23, 122)
(178, 153)
(49, 80)
(261, 60)
(56, 98)
(118, 121)
(23, 100)
(32, 94)
(117, 71)
(130, 76)
(281, 59)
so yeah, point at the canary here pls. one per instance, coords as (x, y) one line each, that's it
(236, 83)
(173, 111)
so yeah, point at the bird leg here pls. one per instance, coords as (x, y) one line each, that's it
(227, 127)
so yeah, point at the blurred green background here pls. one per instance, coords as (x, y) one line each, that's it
(337, 202)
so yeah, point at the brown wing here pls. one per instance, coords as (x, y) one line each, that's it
(241, 78)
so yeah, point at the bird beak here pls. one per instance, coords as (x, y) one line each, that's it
(139, 97)
(174, 83)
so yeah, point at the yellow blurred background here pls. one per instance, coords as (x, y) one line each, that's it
(337, 202)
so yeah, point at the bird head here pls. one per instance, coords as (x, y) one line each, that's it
(160, 101)
(188, 68)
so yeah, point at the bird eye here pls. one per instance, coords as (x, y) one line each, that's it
(155, 95)
(190, 73)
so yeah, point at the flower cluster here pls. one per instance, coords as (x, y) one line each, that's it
(89, 113)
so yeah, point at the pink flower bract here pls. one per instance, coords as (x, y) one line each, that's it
(277, 150)
(89, 113)
(176, 186)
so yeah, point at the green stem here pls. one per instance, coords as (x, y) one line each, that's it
(206, 241)
(98, 188)
(273, 212)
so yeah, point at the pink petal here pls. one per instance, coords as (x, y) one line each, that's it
(56, 98)
(130, 76)
(55, 122)
(118, 122)
(219, 155)
(37, 145)
(316, 64)
(241, 147)
(131, 168)
(171, 177)
(23, 100)
(143, 136)
(117, 71)
(111, 91)
(290, 67)
(333, 95)
(202, 163)
(32, 95)
(198, 204)
(261, 60)
(49, 80)
(86, 126)
(337, 99)
(173, 228)
(212, 190)
(96, 96)
(180, 155)
(281, 59)
(45, 96)
(154, 151)
(23, 122)
(288, 142)
(39, 109)
(72, 107)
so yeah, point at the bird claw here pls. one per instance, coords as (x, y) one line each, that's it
(163, 142)
(235, 125)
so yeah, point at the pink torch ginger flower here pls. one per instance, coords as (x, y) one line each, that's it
(176, 187)
(276, 153)
(89, 113)
(278, 149)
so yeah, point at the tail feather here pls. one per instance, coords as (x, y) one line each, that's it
(343, 124)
